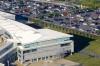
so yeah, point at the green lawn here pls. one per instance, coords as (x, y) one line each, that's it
(83, 43)
(84, 59)
(94, 47)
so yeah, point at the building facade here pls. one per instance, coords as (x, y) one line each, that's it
(51, 50)
(52, 47)
(7, 48)
(32, 44)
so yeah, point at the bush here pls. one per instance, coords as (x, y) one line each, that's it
(63, 29)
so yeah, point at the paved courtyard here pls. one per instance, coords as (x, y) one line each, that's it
(52, 62)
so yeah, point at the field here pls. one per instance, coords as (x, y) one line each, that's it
(82, 43)
(84, 59)
(93, 47)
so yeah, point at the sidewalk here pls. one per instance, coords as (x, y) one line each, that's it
(58, 62)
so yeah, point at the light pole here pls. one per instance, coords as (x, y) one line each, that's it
(8, 62)
(70, 18)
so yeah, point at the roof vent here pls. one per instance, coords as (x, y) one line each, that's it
(19, 37)
(36, 32)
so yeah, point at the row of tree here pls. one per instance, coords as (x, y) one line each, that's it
(63, 29)
(89, 3)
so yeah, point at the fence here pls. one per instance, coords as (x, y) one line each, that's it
(90, 54)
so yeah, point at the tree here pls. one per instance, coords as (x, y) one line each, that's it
(98, 32)
(39, 15)
(48, 13)
(90, 3)
(56, 12)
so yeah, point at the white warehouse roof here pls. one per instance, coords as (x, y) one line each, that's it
(27, 37)
(7, 15)
(14, 27)
(50, 34)
(26, 34)
(4, 13)
(40, 35)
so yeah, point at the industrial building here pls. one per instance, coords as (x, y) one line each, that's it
(31, 44)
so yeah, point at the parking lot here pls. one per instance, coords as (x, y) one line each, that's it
(69, 16)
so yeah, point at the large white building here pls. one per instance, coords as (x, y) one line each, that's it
(2, 64)
(32, 44)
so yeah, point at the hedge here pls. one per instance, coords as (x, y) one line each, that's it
(63, 29)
